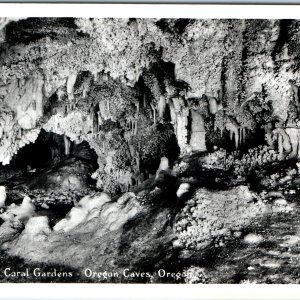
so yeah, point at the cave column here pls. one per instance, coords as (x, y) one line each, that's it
(181, 130)
(181, 123)
(197, 141)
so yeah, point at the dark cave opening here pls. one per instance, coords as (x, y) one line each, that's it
(252, 139)
(50, 149)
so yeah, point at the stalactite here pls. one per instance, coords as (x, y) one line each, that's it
(240, 135)
(213, 105)
(172, 113)
(131, 150)
(231, 134)
(280, 145)
(70, 87)
(161, 107)
(135, 127)
(95, 120)
(144, 101)
(236, 135)
(108, 107)
(295, 91)
(86, 86)
(137, 104)
(285, 141)
(137, 162)
(252, 97)
(154, 112)
(233, 129)
(67, 143)
(244, 134)
(99, 117)
(95, 75)
(132, 126)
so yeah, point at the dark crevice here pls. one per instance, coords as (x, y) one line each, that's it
(283, 38)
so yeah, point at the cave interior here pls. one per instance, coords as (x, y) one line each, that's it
(120, 133)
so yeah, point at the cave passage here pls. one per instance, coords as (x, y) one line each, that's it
(50, 149)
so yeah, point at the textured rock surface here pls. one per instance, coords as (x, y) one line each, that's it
(101, 83)
(147, 99)
(209, 215)
(104, 239)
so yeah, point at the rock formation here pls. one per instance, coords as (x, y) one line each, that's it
(2, 196)
(137, 142)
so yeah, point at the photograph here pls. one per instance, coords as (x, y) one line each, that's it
(149, 150)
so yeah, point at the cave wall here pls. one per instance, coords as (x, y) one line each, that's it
(112, 82)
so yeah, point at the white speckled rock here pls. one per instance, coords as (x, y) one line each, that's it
(253, 238)
(183, 189)
(280, 202)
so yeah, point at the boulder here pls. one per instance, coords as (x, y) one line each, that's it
(24, 211)
(253, 238)
(280, 202)
(183, 189)
(88, 208)
(37, 228)
(10, 229)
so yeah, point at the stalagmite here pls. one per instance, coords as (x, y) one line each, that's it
(163, 166)
(60, 93)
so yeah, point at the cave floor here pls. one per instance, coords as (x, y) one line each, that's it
(275, 260)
